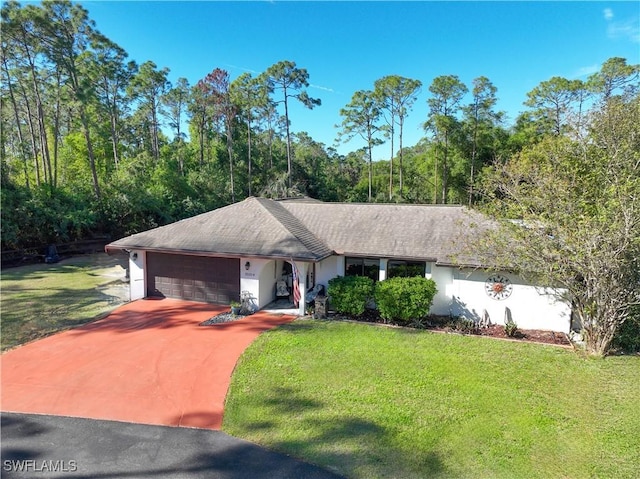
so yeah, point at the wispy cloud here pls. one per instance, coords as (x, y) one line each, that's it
(629, 29)
(323, 88)
(586, 71)
(235, 67)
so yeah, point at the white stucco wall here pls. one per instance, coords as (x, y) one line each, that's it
(259, 280)
(530, 307)
(443, 276)
(329, 268)
(460, 292)
(137, 264)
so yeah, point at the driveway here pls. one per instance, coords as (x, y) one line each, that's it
(148, 362)
(63, 447)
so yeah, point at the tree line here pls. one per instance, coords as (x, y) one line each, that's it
(93, 143)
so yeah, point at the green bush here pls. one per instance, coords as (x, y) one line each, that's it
(465, 325)
(627, 338)
(349, 294)
(510, 327)
(405, 299)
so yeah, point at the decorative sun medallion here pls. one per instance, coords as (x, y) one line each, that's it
(498, 287)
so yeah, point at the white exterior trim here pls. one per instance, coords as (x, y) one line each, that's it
(137, 276)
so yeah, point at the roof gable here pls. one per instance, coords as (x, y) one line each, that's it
(253, 227)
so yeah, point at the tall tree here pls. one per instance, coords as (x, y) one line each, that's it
(22, 152)
(615, 75)
(148, 86)
(552, 102)
(175, 103)
(397, 95)
(114, 74)
(446, 93)
(251, 96)
(217, 84)
(361, 116)
(383, 90)
(480, 118)
(200, 113)
(577, 202)
(291, 81)
(23, 40)
(67, 33)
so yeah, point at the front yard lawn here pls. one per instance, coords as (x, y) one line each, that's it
(40, 299)
(371, 402)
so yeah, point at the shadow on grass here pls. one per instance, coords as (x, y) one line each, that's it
(341, 442)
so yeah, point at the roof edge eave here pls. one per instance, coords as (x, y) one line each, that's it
(111, 249)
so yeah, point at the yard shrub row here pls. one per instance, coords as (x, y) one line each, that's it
(349, 294)
(398, 299)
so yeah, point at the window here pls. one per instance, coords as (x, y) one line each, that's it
(369, 267)
(405, 269)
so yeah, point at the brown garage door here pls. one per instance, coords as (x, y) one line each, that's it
(195, 278)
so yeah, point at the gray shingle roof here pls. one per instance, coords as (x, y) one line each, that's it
(314, 230)
(432, 232)
(253, 227)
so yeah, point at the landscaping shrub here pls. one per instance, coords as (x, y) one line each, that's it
(465, 325)
(349, 294)
(510, 327)
(627, 338)
(405, 299)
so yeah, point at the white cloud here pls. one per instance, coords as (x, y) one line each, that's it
(324, 88)
(629, 29)
(586, 71)
(236, 67)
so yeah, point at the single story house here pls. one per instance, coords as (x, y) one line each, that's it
(249, 246)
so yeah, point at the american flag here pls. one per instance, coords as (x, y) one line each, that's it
(296, 284)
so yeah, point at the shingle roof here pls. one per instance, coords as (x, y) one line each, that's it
(253, 227)
(313, 231)
(433, 232)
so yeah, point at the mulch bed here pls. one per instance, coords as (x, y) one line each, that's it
(223, 318)
(445, 325)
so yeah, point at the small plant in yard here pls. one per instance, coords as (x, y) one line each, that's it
(510, 327)
(235, 307)
(349, 294)
(465, 325)
(405, 299)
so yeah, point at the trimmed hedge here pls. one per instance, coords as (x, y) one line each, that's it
(405, 299)
(349, 294)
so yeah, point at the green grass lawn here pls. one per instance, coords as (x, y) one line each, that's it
(377, 402)
(40, 299)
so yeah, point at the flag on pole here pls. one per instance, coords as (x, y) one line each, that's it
(296, 284)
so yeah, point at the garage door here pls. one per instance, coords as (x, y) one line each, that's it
(194, 278)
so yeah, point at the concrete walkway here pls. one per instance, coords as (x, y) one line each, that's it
(148, 362)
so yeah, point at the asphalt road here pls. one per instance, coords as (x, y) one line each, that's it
(39, 446)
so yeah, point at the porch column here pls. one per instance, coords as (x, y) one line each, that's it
(382, 273)
(302, 278)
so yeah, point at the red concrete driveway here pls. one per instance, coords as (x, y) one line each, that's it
(148, 362)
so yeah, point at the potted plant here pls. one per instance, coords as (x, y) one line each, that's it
(235, 307)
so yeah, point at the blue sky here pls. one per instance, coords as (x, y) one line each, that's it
(346, 46)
